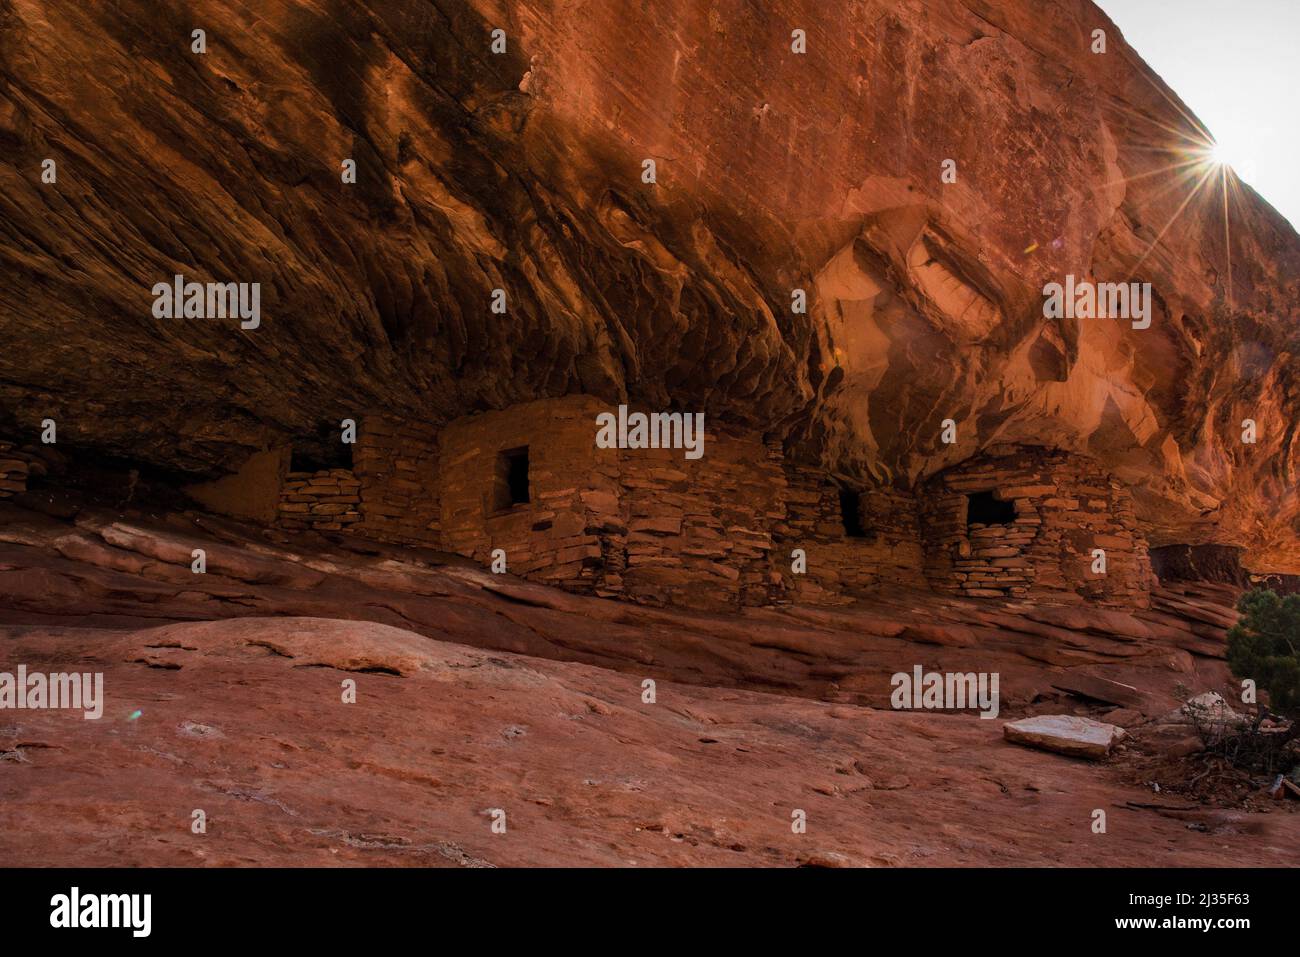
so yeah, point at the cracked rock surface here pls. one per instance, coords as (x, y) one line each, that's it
(474, 692)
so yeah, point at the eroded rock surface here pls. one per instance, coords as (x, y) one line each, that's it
(243, 719)
(115, 570)
(522, 171)
(478, 692)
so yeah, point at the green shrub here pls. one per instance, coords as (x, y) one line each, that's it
(1264, 645)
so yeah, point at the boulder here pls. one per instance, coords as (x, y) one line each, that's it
(1209, 710)
(1065, 734)
(1101, 689)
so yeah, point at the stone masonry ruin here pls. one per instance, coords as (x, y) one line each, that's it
(1026, 522)
(727, 529)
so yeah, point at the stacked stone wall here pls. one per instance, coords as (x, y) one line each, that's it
(1066, 507)
(567, 533)
(395, 463)
(14, 468)
(326, 500)
(726, 529)
(841, 566)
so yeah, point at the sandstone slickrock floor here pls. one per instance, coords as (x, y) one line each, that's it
(241, 717)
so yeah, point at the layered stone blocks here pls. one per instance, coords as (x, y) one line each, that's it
(390, 494)
(1066, 508)
(395, 464)
(886, 552)
(700, 531)
(14, 467)
(326, 500)
(741, 525)
(568, 530)
(645, 524)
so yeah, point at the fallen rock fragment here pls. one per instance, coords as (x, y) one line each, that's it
(1065, 734)
(1207, 715)
(1211, 709)
(1102, 689)
(1125, 718)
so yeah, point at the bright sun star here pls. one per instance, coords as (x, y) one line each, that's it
(1223, 155)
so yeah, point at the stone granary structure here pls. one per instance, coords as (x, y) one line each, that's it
(742, 524)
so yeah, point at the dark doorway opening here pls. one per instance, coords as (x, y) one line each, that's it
(850, 516)
(323, 451)
(512, 478)
(983, 509)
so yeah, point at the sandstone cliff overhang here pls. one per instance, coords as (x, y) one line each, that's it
(522, 171)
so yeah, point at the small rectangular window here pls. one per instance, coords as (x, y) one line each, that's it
(983, 509)
(325, 450)
(850, 515)
(512, 478)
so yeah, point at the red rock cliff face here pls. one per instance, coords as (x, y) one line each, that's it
(523, 171)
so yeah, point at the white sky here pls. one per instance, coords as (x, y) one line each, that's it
(1236, 64)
